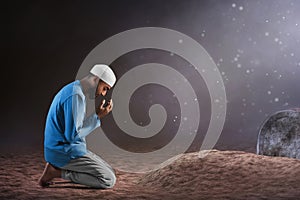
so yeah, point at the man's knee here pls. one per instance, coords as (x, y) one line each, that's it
(107, 181)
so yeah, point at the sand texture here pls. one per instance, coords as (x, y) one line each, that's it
(219, 175)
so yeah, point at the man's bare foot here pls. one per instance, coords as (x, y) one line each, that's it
(50, 172)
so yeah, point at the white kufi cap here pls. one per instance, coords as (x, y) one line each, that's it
(105, 73)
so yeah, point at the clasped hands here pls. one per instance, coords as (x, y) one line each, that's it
(102, 110)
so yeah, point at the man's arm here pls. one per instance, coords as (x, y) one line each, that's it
(75, 116)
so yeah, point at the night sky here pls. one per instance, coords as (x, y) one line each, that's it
(255, 45)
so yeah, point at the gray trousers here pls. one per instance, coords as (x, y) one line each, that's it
(89, 170)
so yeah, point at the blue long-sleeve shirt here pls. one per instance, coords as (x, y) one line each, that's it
(66, 126)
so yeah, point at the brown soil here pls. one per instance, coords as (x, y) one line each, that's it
(220, 175)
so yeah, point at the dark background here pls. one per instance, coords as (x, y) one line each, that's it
(255, 44)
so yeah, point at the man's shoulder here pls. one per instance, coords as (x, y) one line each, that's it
(71, 89)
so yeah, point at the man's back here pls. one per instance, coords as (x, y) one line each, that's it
(61, 141)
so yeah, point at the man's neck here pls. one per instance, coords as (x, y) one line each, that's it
(85, 84)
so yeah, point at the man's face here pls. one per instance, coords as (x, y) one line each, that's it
(101, 89)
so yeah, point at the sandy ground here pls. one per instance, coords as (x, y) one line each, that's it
(220, 175)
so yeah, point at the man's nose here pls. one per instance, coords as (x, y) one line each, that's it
(103, 93)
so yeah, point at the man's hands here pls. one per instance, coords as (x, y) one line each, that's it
(101, 111)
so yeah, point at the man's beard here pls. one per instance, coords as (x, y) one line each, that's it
(91, 93)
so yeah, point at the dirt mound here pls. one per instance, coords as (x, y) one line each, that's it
(228, 174)
(220, 175)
